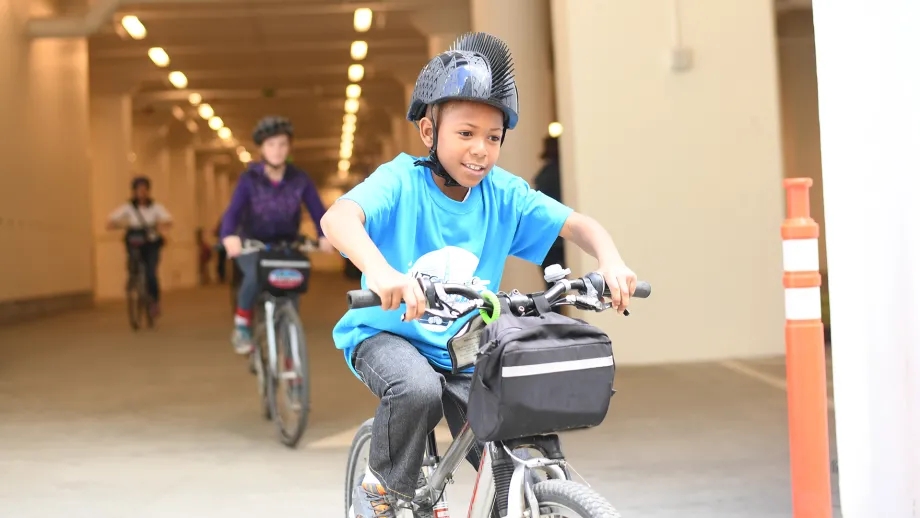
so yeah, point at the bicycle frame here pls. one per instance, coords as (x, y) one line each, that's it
(484, 490)
(270, 303)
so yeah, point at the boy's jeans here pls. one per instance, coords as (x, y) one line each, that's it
(413, 398)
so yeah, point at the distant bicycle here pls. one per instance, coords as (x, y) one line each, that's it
(137, 297)
(279, 358)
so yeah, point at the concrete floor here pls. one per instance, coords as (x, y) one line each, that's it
(99, 421)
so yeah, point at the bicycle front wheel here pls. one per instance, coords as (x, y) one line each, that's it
(569, 499)
(289, 382)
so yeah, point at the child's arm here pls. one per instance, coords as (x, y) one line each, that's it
(343, 225)
(231, 218)
(591, 237)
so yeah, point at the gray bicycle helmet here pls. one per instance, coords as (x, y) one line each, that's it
(271, 126)
(477, 67)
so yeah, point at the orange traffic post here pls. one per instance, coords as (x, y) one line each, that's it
(806, 378)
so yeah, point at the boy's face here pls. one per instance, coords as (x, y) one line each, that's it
(469, 139)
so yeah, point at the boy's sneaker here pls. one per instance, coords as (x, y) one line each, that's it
(372, 501)
(242, 339)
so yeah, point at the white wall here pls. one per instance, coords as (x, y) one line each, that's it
(684, 169)
(44, 175)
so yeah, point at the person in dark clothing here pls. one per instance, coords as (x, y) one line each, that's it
(547, 181)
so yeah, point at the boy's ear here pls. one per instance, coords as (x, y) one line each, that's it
(426, 131)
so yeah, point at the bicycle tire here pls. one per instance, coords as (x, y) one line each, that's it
(133, 297)
(287, 314)
(559, 496)
(258, 362)
(353, 472)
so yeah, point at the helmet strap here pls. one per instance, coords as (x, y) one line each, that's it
(432, 161)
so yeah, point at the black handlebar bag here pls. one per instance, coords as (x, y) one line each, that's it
(539, 375)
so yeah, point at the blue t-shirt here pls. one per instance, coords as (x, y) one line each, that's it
(419, 230)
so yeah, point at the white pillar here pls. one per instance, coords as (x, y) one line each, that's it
(524, 26)
(870, 128)
(110, 141)
(180, 259)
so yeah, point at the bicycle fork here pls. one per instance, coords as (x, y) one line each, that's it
(270, 333)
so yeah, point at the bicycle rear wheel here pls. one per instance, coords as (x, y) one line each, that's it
(290, 378)
(135, 295)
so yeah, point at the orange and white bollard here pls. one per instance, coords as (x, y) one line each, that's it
(806, 378)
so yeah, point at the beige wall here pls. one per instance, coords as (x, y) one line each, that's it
(684, 169)
(44, 176)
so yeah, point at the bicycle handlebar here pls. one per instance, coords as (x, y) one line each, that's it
(588, 287)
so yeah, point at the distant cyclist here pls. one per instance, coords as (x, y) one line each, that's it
(266, 205)
(143, 217)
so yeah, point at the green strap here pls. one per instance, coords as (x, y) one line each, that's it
(496, 307)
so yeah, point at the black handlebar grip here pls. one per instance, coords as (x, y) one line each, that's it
(358, 299)
(643, 290)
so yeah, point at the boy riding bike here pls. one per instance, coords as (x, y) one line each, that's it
(454, 216)
(266, 205)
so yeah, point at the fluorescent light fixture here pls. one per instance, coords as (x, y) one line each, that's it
(206, 111)
(358, 50)
(134, 27)
(363, 18)
(224, 133)
(555, 129)
(245, 157)
(355, 72)
(159, 56)
(215, 123)
(353, 91)
(344, 165)
(350, 118)
(177, 112)
(194, 99)
(351, 106)
(178, 79)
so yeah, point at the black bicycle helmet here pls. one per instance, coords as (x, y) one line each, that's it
(138, 181)
(477, 67)
(271, 126)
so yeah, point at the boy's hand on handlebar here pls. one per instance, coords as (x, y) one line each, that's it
(233, 245)
(393, 288)
(622, 283)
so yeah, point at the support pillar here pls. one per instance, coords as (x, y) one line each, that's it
(870, 125)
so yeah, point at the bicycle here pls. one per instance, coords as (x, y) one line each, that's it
(138, 299)
(520, 487)
(279, 356)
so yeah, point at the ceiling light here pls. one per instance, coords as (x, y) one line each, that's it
(343, 174)
(159, 56)
(194, 99)
(224, 133)
(345, 154)
(205, 111)
(346, 145)
(344, 165)
(363, 19)
(555, 129)
(178, 79)
(135, 28)
(215, 123)
(355, 73)
(245, 157)
(351, 106)
(348, 137)
(177, 112)
(348, 128)
(350, 118)
(358, 50)
(192, 126)
(353, 91)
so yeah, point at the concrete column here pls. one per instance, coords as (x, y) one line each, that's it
(180, 259)
(412, 143)
(112, 169)
(208, 195)
(682, 165)
(524, 26)
(870, 125)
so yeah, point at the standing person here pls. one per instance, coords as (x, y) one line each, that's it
(221, 255)
(266, 206)
(547, 181)
(142, 216)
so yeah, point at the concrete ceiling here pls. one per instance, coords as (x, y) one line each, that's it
(251, 58)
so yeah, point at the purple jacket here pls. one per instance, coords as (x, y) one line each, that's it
(271, 212)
